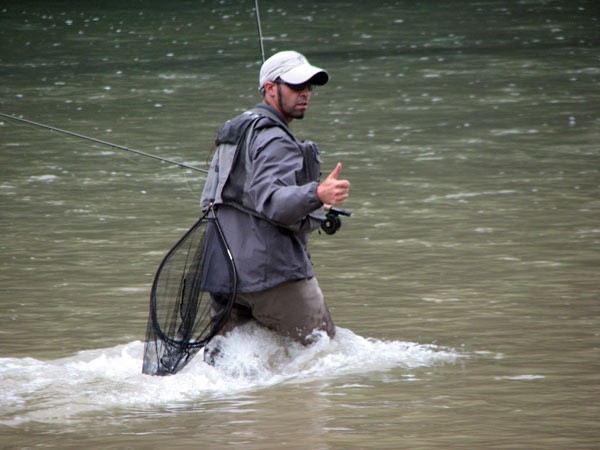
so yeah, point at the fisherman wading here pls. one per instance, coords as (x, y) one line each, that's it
(268, 198)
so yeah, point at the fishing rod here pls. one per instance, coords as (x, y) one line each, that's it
(260, 36)
(100, 141)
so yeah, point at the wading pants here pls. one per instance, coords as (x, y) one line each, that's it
(294, 309)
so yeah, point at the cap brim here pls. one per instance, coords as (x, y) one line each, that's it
(304, 73)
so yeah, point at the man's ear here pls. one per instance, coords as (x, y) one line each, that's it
(270, 89)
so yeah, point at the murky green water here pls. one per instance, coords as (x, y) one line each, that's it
(470, 132)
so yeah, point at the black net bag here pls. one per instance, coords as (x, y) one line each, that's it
(181, 320)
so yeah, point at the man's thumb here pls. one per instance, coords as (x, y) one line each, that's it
(335, 173)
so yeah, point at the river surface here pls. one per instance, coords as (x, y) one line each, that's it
(465, 286)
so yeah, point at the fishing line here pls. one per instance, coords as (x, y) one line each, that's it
(128, 149)
(100, 141)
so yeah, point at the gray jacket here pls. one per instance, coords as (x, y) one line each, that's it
(264, 185)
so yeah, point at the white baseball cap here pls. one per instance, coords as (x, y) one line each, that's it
(293, 68)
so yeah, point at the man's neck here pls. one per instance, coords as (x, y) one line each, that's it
(274, 113)
(280, 113)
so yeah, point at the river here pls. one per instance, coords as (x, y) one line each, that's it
(464, 286)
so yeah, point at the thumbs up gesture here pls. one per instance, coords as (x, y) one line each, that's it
(333, 191)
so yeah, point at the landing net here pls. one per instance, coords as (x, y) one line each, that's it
(181, 320)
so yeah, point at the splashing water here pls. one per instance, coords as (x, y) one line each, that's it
(251, 358)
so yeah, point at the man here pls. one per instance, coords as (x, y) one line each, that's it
(265, 185)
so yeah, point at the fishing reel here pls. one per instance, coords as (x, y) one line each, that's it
(332, 221)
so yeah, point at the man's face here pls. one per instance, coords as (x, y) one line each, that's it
(290, 100)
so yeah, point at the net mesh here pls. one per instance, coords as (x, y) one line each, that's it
(181, 321)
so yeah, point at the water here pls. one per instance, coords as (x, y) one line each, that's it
(465, 285)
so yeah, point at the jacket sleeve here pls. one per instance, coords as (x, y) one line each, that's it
(276, 159)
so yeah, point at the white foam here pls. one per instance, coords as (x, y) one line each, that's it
(252, 358)
(48, 178)
(525, 377)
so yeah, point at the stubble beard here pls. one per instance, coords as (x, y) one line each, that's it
(290, 113)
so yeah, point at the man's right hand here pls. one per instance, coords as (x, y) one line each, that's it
(331, 191)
